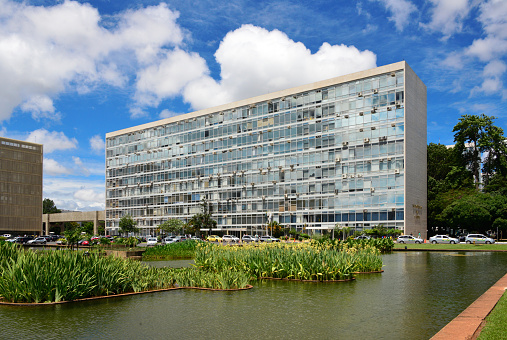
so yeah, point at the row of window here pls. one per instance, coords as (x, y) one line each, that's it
(368, 126)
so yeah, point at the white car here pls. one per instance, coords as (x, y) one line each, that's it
(478, 238)
(169, 240)
(409, 239)
(230, 238)
(443, 239)
(151, 241)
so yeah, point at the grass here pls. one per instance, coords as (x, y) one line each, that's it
(302, 261)
(461, 246)
(66, 275)
(171, 251)
(496, 322)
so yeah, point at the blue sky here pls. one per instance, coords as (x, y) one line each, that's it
(74, 70)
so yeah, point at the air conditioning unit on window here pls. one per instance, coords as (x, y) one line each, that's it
(372, 189)
(398, 105)
(389, 108)
(345, 143)
(396, 171)
(344, 176)
(359, 175)
(373, 110)
(375, 91)
(359, 94)
(337, 159)
(263, 197)
(346, 116)
(361, 113)
(366, 140)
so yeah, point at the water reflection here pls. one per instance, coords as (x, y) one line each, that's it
(416, 296)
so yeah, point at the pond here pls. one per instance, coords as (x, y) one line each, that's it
(418, 294)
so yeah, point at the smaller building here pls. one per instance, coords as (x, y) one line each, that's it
(20, 187)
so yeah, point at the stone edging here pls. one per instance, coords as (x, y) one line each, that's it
(469, 323)
(119, 295)
(285, 279)
(373, 272)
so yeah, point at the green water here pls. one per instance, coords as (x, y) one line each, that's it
(416, 296)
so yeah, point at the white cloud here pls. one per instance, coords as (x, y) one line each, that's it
(167, 78)
(53, 168)
(52, 140)
(447, 16)
(492, 16)
(255, 61)
(47, 50)
(167, 114)
(97, 144)
(400, 10)
(494, 68)
(40, 106)
(89, 195)
(81, 168)
(75, 194)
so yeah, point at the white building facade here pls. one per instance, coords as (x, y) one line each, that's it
(349, 150)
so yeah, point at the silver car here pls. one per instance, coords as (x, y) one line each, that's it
(409, 239)
(478, 238)
(230, 238)
(443, 239)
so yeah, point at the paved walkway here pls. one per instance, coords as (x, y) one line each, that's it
(469, 323)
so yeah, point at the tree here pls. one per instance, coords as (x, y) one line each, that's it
(276, 228)
(203, 220)
(87, 227)
(173, 226)
(127, 225)
(49, 207)
(470, 213)
(475, 136)
(72, 236)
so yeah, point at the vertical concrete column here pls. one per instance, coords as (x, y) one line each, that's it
(45, 221)
(95, 223)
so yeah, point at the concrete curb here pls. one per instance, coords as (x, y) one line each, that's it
(469, 323)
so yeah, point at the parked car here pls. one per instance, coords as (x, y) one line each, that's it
(269, 239)
(38, 240)
(478, 238)
(250, 238)
(214, 238)
(168, 240)
(23, 239)
(7, 236)
(151, 241)
(443, 239)
(230, 238)
(84, 243)
(362, 237)
(195, 238)
(409, 239)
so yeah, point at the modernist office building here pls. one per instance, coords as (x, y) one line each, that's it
(20, 187)
(349, 150)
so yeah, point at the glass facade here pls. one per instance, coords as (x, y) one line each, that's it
(308, 160)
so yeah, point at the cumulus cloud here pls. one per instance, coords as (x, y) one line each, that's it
(89, 195)
(447, 16)
(52, 141)
(400, 11)
(69, 46)
(167, 78)
(255, 61)
(53, 168)
(97, 144)
(75, 194)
